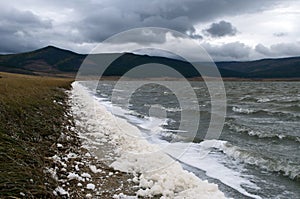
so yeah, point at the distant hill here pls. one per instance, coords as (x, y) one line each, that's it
(48, 60)
(55, 61)
(266, 68)
(128, 61)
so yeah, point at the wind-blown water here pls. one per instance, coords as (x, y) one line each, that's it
(258, 154)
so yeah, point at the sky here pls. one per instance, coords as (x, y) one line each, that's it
(226, 29)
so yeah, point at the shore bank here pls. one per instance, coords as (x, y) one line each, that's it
(41, 154)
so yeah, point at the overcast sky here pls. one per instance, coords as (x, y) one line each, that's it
(227, 29)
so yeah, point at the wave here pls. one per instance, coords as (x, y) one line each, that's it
(263, 100)
(277, 100)
(169, 109)
(247, 98)
(294, 108)
(260, 134)
(289, 169)
(198, 156)
(287, 99)
(272, 99)
(277, 113)
(286, 168)
(117, 90)
(152, 127)
(242, 110)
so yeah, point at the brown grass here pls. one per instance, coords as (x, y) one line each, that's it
(30, 122)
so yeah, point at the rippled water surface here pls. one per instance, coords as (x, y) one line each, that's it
(260, 142)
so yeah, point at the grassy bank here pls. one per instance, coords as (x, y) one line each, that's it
(30, 122)
(36, 141)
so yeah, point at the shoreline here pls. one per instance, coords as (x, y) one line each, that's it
(79, 173)
(74, 76)
(226, 79)
(156, 173)
(42, 154)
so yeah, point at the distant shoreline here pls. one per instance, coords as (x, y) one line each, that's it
(115, 78)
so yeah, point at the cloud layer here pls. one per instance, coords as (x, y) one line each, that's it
(79, 25)
(287, 49)
(17, 29)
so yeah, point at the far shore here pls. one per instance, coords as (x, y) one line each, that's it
(75, 76)
(115, 78)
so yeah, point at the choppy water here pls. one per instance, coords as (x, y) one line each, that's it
(259, 152)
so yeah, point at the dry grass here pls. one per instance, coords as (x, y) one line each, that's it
(30, 122)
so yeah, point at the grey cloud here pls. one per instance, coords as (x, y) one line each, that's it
(234, 50)
(147, 36)
(181, 23)
(18, 29)
(195, 36)
(12, 43)
(15, 20)
(98, 27)
(221, 29)
(103, 19)
(280, 34)
(195, 10)
(140, 36)
(280, 49)
(263, 50)
(93, 21)
(102, 23)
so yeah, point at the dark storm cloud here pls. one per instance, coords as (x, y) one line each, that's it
(93, 21)
(221, 29)
(17, 29)
(98, 27)
(110, 17)
(15, 19)
(19, 43)
(195, 10)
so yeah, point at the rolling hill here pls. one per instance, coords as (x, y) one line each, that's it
(48, 60)
(266, 68)
(54, 61)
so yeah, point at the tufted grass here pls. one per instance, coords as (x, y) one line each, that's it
(30, 123)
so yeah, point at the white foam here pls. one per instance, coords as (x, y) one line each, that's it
(137, 155)
(150, 124)
(94, 169)
(242, 110)
(198, 156)
(61, 191)
(90, 186)
(263, 100)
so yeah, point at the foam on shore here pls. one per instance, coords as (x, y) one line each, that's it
(156, 173)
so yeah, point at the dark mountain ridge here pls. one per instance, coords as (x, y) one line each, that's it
(266, 68)
(52, 60)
